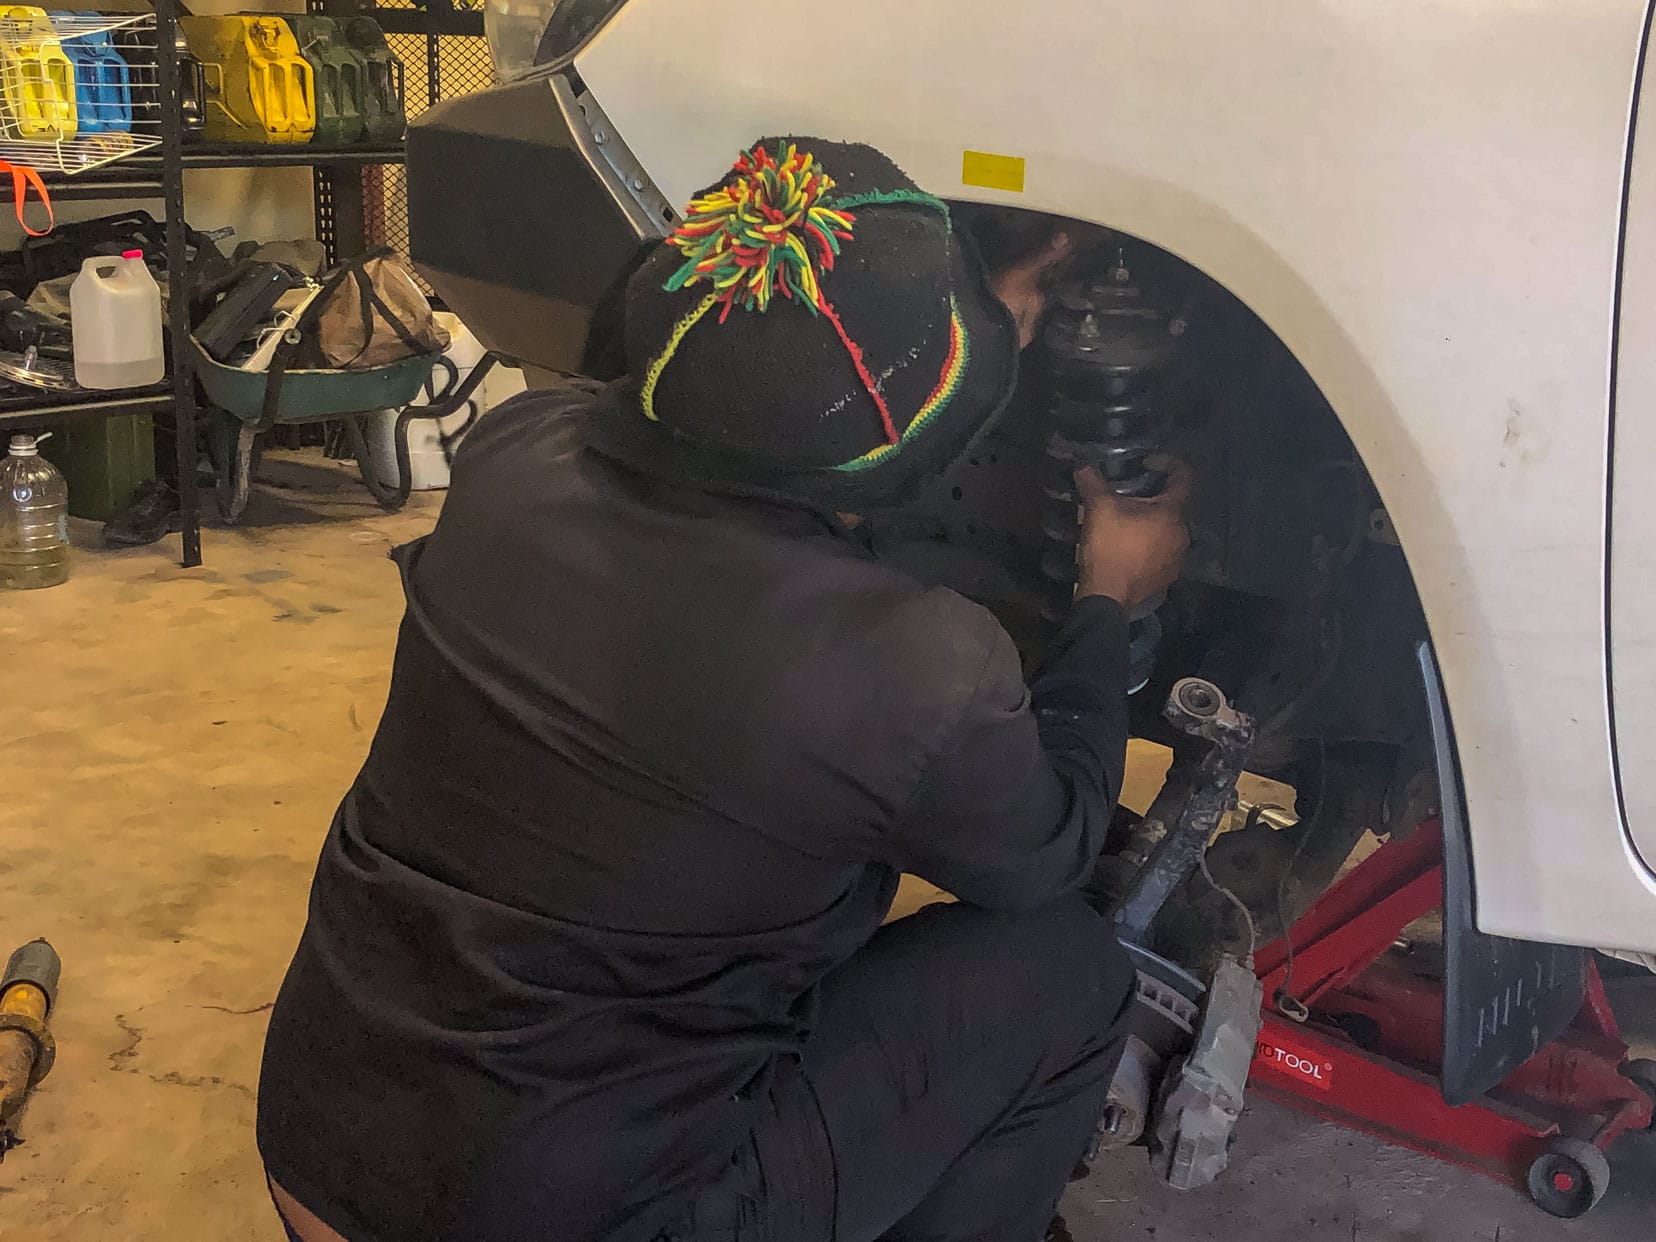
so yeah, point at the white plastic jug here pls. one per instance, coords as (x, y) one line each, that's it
(115, 314)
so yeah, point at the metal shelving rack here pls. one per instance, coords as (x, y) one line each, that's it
(160, 175)
(117, 181)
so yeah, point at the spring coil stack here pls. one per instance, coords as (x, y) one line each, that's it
(1111, 348)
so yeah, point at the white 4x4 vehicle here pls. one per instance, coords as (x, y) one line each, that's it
(1407, 256)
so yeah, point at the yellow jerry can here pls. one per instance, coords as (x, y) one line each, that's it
(37, 82)
(259, 89)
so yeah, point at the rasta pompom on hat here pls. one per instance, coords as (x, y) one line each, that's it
(813, 331)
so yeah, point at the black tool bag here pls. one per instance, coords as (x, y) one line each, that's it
(61, 253)
(250, 293)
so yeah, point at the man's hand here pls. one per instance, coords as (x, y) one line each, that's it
(1024, 287)
(1130, 549)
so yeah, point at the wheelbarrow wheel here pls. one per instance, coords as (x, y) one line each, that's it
(233, 490)
(389, 496)
(232, 446)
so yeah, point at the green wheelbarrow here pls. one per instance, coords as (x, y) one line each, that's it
(251, 402)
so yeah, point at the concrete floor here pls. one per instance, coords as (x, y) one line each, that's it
(172, 744)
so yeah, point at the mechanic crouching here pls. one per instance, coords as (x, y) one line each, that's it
(595, 945)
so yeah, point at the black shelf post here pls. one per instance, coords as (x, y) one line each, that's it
(178, 305)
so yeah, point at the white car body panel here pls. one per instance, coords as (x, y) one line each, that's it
(1422, 199)
(1633, 492)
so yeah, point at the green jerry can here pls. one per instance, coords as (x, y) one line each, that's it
(340, 73)
(382, 95)
(104, 460)
(259, 89)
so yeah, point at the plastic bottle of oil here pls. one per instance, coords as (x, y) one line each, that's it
(34, 519)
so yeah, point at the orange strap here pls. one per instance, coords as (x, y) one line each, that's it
(23, 177)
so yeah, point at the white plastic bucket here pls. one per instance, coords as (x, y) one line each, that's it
(428, 464)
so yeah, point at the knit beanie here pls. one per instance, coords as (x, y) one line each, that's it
(813, 331)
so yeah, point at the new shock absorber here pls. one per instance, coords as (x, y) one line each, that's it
(1111, 345)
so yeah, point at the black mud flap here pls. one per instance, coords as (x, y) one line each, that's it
(1503, 1000)
(512, 223)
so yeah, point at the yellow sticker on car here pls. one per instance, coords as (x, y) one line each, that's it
(993, 172)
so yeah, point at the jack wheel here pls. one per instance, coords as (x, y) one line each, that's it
(1568, 1178)
(1643, 1072)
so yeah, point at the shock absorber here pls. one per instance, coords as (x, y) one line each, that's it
(1111, 345)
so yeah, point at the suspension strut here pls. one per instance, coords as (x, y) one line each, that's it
(1111, 346)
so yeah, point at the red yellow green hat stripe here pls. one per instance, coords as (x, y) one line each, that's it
(954, 369)
(775, 228)
(675, 338)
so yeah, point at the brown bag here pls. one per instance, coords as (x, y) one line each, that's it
(375, 314)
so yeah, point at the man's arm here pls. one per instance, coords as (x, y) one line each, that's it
(1014, 810)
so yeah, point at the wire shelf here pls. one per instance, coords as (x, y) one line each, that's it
(72, 25)
(73, 93)
(73, 155)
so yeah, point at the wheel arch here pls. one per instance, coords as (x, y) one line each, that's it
(1221, 249)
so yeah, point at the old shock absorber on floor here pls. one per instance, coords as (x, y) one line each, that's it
(1111, 345)
(28, 989)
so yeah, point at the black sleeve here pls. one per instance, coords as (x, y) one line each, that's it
(1014, 812)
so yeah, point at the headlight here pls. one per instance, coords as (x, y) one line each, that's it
(524, 34)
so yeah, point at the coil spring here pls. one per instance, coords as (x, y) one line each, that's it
(1109, 348)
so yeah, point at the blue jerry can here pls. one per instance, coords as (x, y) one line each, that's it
(103, 83)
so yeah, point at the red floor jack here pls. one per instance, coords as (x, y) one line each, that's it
(1367, 1053)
